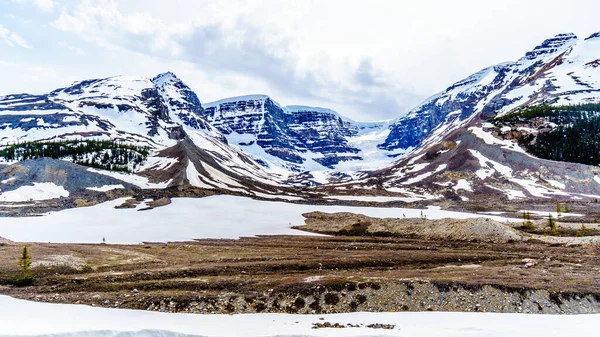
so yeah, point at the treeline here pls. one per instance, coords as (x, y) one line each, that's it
(577, 142)
(561, 114)
(575, 138)
(102, 154)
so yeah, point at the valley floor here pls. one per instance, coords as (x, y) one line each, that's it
(313, 275)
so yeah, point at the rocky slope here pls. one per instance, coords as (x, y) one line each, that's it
(160, 114)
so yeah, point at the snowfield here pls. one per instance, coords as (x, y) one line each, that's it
(186, 219)
(23, 318)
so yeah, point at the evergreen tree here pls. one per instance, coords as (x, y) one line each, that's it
(552, 224)
(25, 260)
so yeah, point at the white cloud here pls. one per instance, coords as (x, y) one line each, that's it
(12, 39)
(38, 78)
(102, 22)
(368, 60)
(46, 5)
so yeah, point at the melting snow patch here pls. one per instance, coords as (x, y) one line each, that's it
(39, 191)
(463, 184)
(491, 140)
(139, 181)
(514, 194)
(554, 214)
(417, 178)
(105, 188)
(8, 180)
(489, 166)
(557, 184)
(371, 198)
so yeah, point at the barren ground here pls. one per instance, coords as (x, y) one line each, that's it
(313, 275)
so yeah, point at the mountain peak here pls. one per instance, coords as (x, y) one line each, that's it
(164, 77)
(593, 36)
(552, 45)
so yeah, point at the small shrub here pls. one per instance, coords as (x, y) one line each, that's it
(552, 225)
(527, 224)
(582, 231)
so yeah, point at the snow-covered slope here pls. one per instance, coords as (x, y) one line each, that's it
(456, 154)
(561, 70)
(161, 114)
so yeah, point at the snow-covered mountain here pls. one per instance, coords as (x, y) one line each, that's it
(295, 138)
(457, 154)
(561, 70)
(160, 114)
(253, 145)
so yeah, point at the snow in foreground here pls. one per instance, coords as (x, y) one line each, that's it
(18, 318)
(184, 219)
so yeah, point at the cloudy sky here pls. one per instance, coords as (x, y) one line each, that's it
(369, 60)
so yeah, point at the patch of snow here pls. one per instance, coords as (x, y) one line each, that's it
(39, 191)
(370, 198)
(557, 184)
(555, 215)
(462, 184)
(440, 168)
(417, 178)
(139, 181)
(49, 319)
(106, 188)
(489, 139)
(417, 167)
(489, 166)
(275, 196)
(514, 194)
(8, 180)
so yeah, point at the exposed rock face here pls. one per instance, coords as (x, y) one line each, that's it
(288, 133)
(556, 71)
(181, 103)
